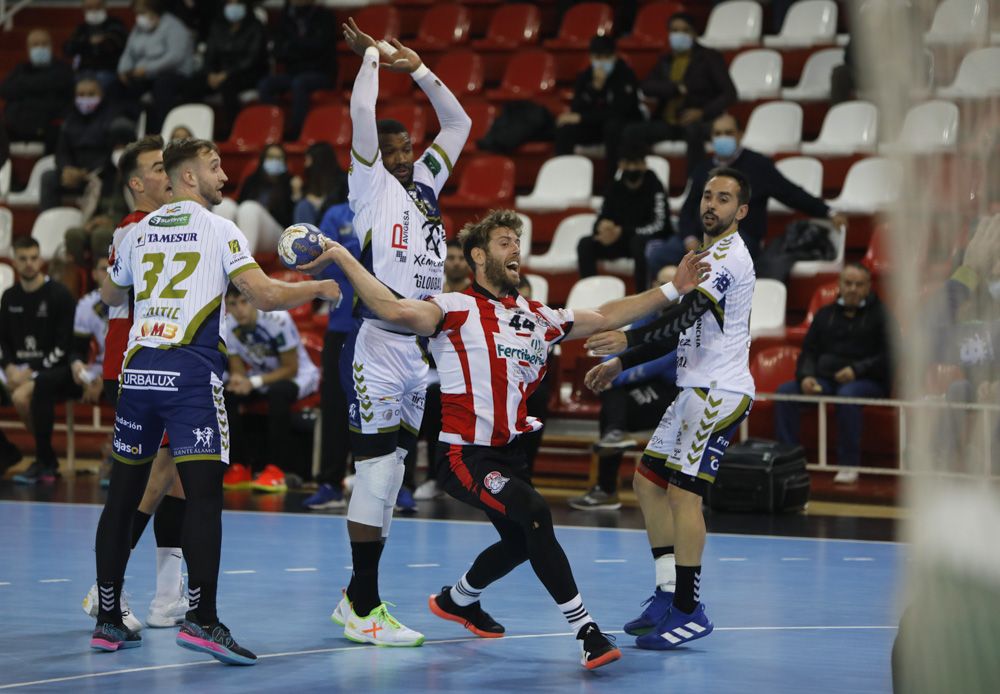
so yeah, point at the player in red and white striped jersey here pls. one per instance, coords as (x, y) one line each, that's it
(490, 346)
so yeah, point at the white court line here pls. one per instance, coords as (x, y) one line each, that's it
(340, 649)
(240, 571)
(732, 558)
(54, 580)
(302, 569)
(795, 559)
(859, 558)
(610, 561)
(421, 566)
(4, 583)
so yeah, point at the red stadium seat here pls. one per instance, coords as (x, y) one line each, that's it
(824, 294)
(529, 74)
(461, 71)
(378, 21)
(650, 29)
(513, 25)
(486, 182)
(255, 127)
(442, 26)
(410, 115)
(581, 23)
(773, 366)
(877, 257)
(324, 124)
(482, 113)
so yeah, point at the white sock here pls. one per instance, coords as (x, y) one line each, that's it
(168, 575)
(666, 573)
(463, 594)
(575, 613)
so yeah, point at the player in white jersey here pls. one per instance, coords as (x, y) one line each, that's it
(397, 220)
(490, 345)
(180, 259)
(710, 330)
(90, 323)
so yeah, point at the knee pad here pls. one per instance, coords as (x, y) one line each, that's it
(375, 486)
(397, 482)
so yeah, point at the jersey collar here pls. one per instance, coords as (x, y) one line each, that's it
(480, 289)
(703, 247)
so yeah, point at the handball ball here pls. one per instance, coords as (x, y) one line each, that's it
(299, 244)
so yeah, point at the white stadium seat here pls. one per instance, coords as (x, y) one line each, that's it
(32, 193)
(6, 232)
(871, 184)
(50, 229)
(805, 172)
(767, 312)
(959, 22)
(198, 118)
(807, 23)
(774, 127)
(594, 291)
(811, 268)
(5, 174)
(928, 127)
(563, 182)
(7, 278)
(539, 288)
(814, 84)
(849, 127)
(757, 74)
(561, 255)
(733, 24)
(978, 76)
(525, 237)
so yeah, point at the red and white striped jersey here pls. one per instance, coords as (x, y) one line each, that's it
(119, 317)
(491, 355)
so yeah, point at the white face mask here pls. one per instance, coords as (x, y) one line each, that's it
(95, 17)
(681, 41)
(994, 288)
(144, 22)
(274, 167)
(234, 13)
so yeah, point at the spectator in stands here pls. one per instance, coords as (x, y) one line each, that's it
(235, 60)
(336, 224)
(37, 93)
(84, 149)
(634, 212)
(158, 58)
(691, 85)
(304, 44)
(265, 202)
(323, 186)
(605, 100)
(181, 132)
(36, 340)
(847, 353)
(197, 15)
(96, 45)
(765, 181)
(267, 363)
(90, 325)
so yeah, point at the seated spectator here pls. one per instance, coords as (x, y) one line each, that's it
(268, 363)
(605, 100)
(36, 340)
(96, 45)
(633, 214)
(84, 149)
(265, 202)
(158, 58)
(235, 60)
(305, 46)
(765, 182)
(197, 15)
(691, 85)
(37, 93)
(846, 353)
(90, 324)
(181, 132)
(323, 185)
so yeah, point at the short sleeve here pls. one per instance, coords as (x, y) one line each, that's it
(560, 321)
(85, 318)
(120, 263)
(365, 180)
(454, 311)
(720, 279)
(433, 168)
(236, 257)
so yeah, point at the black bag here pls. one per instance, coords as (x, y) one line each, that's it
(518, 122)
(802, 240)
(761, 475)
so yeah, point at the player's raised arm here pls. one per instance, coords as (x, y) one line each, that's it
(364, 136)
(274, 295)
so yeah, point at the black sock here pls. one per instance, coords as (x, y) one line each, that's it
(168, 522)
(362, 591)
(109, 608)
(607, 473)
(661, 551)
(687, 596)
(201, 599)
(139, 522)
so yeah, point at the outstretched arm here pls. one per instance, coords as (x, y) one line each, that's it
(364, 137)
(274, 295)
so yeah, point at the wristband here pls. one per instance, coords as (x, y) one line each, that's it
(670, 291)
(256, 381)
(421, 71)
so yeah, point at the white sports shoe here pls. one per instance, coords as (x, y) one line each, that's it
(380, 628)
(427, 491)
(846, 476)
(90, 606)
(341, 612)
(164, 615)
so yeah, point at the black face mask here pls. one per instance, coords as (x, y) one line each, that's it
(633, 176)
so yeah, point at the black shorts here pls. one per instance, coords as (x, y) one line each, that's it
(111, 391)
(491, 479)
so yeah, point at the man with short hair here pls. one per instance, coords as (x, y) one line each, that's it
(457, 275)
(710, 330)
(490, 345)
(846, 352)
(180, 259)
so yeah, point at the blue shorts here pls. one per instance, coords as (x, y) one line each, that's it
(168, 390)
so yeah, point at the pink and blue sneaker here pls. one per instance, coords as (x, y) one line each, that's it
(676, 629)
(213, 639)
(113, 637)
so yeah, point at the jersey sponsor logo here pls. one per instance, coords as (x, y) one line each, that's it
(401, 233)
(170, 312)
(203, 437)
(128, 424)
(426, 261)
(534, 355)
(172, 238)
(431, 284)
(234, 246)
(137, 379)
(126, 448)
(495, 482)
(723, 281)
(433, 164)
(43, 310)
(170, 220)
(161, 329)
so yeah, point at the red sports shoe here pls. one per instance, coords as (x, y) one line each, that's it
(271, 479)
(237, 477)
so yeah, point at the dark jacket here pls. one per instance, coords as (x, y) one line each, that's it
(84, 140)
(765, 182)
(36, 96)
(275, 196)
(863, 342)
(36, 328)
(241, 53)
(618, 99)
(707, 80)
(642, 211)
(103, 56)
(305, 40)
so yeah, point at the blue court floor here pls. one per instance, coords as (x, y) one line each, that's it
(791, 615)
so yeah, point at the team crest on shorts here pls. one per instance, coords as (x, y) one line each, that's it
(495, 482)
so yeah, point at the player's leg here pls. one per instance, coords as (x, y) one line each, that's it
(169, 604)
(280, 397)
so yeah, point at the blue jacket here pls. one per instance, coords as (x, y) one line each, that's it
(337, 224)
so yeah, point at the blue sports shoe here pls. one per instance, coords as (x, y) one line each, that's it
(325, 498)
(657, 607)
(677, 629)
(113, 637)
(405, 503)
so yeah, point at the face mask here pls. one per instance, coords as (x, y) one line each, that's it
(724, 145)
(87, 104)
(95, 17)
(116, 156)
(994, 288)
(234, 13)
(633, 176)
(605, 66)
(274, 167)
(680, 41)
(40, 55)
(144, 22)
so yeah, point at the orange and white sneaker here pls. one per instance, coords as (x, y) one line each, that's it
(381, 629)
(237, 477)
(271, 479)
